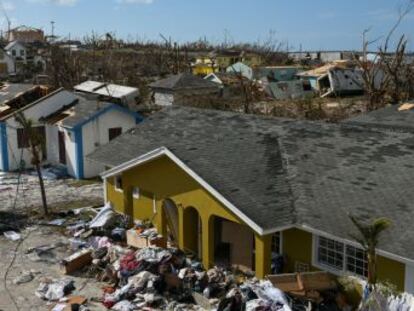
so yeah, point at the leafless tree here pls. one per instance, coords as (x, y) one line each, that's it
(386, 74)
(36, 145)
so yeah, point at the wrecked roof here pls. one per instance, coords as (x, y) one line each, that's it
(182, 81)
(281, 172)
(392, 117)
(83, 111)
(76, 109)
(323, 70)
(106, 89)
(89, 86)
(10, 91)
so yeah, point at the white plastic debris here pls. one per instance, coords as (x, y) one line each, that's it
(269, 297)
(104, 218)
(152, 255)
(59, 307)
(123, 305)
(12, 235)
(57, 222)
(55, 290)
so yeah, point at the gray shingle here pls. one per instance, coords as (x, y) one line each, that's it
(386, 118)
(280, 172)
(183, 81)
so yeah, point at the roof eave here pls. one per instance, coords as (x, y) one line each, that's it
(163, 151)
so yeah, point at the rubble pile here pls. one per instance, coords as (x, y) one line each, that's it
(153, 277)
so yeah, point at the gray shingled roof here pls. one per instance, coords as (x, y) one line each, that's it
(182, 81)
(386, 118)
(280, 172)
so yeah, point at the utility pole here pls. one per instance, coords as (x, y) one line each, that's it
(53, 30)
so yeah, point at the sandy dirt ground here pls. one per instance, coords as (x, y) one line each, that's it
(14, 256)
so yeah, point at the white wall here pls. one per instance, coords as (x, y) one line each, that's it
(163, 99)
(34, 113)
(409, 278)
(70, 148)
(330, 56)
(9, 61)
(18, 48)
(95, 134)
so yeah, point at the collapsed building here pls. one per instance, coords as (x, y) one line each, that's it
(337, 78)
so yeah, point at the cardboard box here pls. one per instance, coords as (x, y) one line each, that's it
(134, 240)
(76, 261)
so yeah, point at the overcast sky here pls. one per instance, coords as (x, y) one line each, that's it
(314, 24)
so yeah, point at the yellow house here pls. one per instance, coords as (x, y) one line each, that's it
(203, 69)
(204, 65)
(237, 189)
(226, 58)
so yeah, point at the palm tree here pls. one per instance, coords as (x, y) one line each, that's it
(369, 234)
(36, 144)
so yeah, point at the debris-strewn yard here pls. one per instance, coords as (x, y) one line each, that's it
(32, 266)
(21, 205)
(60, 193)
(85, 258)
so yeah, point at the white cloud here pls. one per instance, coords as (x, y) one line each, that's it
(135, 1)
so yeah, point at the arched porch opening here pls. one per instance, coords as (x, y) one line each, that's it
(192, 232)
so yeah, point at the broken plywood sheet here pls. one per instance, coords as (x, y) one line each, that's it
(240, 238)
(300, 283)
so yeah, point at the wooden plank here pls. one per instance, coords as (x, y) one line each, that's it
(319, 281)
(76, 261)
(303, 282)
(285, 282)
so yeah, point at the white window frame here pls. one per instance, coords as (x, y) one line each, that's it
(136, 193)
(317, 264)
(116, 183)
(280, 251)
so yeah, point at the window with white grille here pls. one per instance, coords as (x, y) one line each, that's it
(341, 257)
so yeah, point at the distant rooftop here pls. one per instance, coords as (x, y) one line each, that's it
(105, 89)
(182, 81)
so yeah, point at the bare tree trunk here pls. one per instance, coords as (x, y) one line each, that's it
(42, 189)
(36, 163)
(372, 267)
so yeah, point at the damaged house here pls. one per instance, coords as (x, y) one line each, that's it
(79, 127)
(337, 78)
(71, 127)
(177, 89)
(281, 82)
(119, 94)
(287, 191)
(14, 99)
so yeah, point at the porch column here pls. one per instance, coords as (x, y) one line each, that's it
(160, 218)
(207, 236)
(263, 255)
(181, 244)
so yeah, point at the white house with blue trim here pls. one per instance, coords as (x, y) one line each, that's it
(81, 126)
(33, 102)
